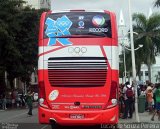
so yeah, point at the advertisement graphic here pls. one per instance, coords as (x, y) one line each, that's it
(98, 20)
(57, 28)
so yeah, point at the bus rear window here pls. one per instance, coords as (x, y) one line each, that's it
(72, 24)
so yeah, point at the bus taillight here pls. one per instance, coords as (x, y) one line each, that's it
(113, 98)
(42, 95)
(113, 91)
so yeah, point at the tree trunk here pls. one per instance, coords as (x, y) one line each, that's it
(11, 83)
(139, 72)
(149, 72)
(2, 81)
(139, 75)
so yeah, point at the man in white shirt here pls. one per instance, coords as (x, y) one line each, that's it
(128, 93)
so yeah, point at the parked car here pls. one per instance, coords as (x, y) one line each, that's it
(35, 97)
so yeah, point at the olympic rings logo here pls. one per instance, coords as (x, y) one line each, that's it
(77, 50)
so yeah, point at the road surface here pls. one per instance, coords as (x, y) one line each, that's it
(18, 119)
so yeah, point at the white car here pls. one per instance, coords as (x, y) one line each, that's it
(35, 96)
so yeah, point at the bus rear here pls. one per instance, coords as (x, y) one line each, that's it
(78, 68)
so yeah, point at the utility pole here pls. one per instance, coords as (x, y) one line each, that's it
(133, 62)
(122, 29)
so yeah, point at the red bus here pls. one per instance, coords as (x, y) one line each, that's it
(78, 68)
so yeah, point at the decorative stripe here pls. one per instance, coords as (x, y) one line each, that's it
(111, 52)
(54, 49)
(112, 56)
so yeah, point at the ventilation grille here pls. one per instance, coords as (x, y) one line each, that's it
(77, 71)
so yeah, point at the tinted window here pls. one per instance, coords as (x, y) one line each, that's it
(77, 23)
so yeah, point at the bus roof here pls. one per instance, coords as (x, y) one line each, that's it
(79, 10)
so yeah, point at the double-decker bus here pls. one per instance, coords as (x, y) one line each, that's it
(78, 68)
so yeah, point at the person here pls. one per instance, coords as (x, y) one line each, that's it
(143, 92)
(121, 101)
(149, 98)
(154, 98)
(18, 100)
(29, 101)
(157, 98)
(13, 98)
(22, 100)
(128, 93)
(4, 102)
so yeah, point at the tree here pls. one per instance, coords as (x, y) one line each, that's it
(148, 30)
(9, 53)
(157, 3)
(18, 39)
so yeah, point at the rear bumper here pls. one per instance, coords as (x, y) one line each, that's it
(109, 116)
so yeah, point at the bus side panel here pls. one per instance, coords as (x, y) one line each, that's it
(114, 26)
(41, 28)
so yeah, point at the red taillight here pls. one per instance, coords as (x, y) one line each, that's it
(113, 96)
(42, 95)
(113, 91)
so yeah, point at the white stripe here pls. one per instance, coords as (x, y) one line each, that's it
(92, 51)
(47, 48)
(101, 61)
(78, 68)
(112, 54)
(60, 11)
(40, 50)
(94, 10)
(40, 62)
(68, 10)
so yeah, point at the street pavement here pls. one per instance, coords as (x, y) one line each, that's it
(18, 119)
(144, 117)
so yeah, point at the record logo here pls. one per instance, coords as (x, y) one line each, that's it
(98, 20)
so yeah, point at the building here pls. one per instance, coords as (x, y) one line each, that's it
(155, 72)
(39, 4)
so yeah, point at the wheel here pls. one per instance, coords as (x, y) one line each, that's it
(55, 126)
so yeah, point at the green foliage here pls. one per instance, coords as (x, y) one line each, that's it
(148, 30)
(18, 39)
(157, 3)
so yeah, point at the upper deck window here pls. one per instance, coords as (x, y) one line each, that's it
(75, 24)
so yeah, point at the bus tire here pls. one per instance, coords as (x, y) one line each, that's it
(56, 126)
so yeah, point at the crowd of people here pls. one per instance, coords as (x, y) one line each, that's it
(151, 93)
(14, 100)
(18, 100)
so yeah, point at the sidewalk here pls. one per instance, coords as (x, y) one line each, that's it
(144, 118)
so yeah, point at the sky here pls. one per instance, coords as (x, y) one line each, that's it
(138, 6)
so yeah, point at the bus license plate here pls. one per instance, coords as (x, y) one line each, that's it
(77, 116)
